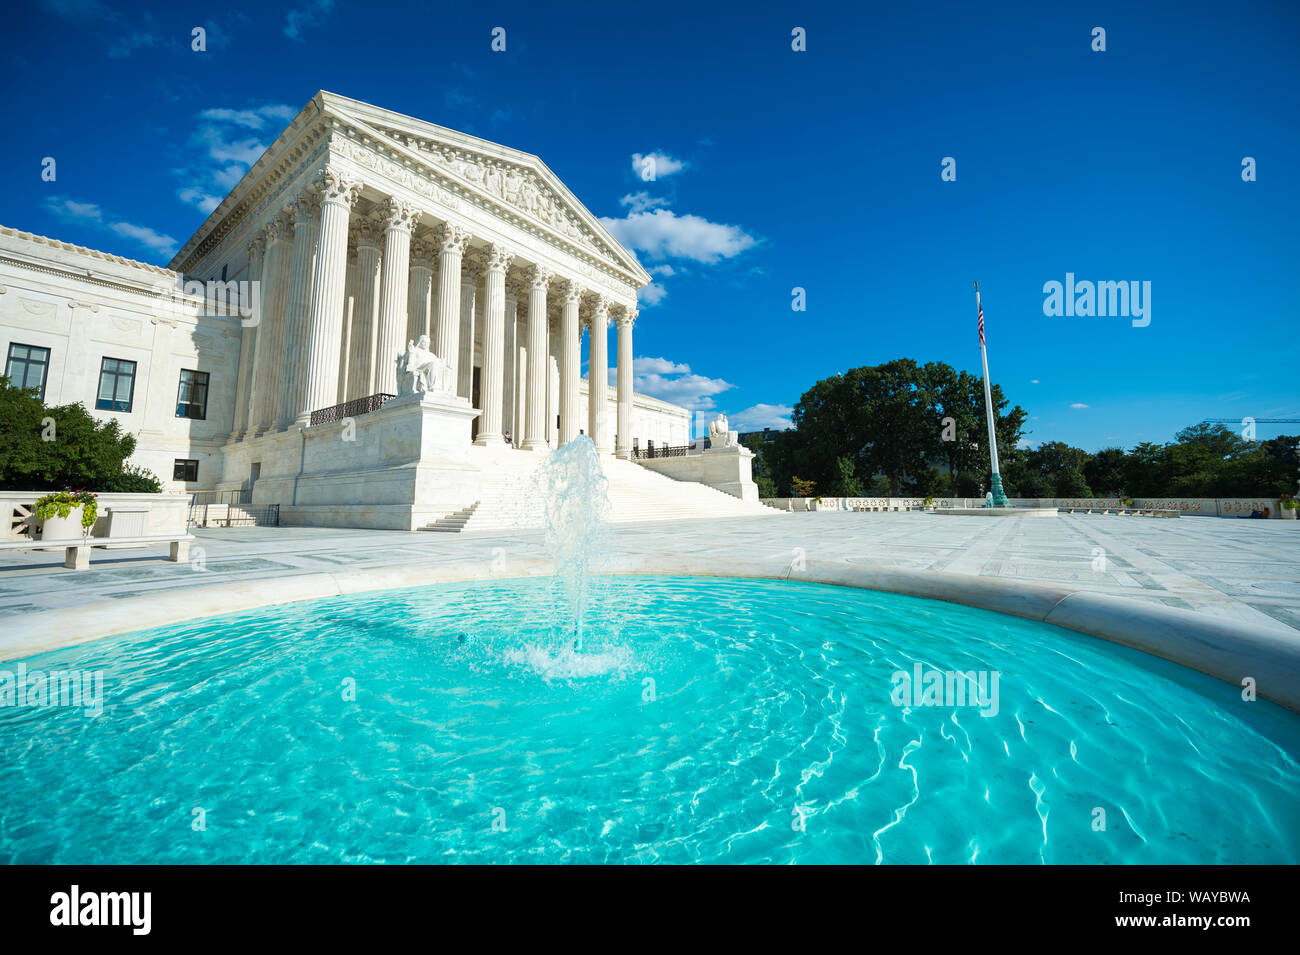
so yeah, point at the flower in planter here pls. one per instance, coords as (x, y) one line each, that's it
(61, 503)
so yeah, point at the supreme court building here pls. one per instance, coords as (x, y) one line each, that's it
(265, 357)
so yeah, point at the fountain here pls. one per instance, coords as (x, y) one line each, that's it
(577, 510)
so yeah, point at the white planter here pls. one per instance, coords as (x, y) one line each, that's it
(63, 528)
(1284, 514)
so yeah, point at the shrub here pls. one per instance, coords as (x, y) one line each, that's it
(50, 448)
(134, 480)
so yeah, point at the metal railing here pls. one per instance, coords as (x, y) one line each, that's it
(234, 515)
(239, 495)
(350, 409)
(678, 451)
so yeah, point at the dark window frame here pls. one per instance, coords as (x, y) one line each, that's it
(186, 467)
(117, 374)
(184, 407)
(27, 362)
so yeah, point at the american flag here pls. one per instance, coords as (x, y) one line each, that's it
(981, 310)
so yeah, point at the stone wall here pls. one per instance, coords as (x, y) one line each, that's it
(166, 513)
(1187, 507)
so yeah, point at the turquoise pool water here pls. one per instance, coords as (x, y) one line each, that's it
(711, 720)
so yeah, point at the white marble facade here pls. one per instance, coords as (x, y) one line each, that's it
(362, 229)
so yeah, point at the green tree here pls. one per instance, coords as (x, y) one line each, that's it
(54, 448)
(846, 484)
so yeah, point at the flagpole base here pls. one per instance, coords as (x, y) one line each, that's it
(999, 496)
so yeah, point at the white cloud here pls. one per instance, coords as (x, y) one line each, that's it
(665, 270)
(251, 118)
(655, 165)
(651, 294)
(1033, 381)
(66, 208)
(308, 15)
(1078, 404)
(758, 417)
(662, 234)
(1024, 443)
(658, 366)
(642, 201)
(88, 213)
(162, 244)
(223, 150)
(675, 382)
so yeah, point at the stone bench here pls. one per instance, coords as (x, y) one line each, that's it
(76, 550)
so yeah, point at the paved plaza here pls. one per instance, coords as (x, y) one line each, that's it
(1245, 570)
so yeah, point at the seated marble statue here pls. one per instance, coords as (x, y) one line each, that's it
(719, 436)
(420, 371)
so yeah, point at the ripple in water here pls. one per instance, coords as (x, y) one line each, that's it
(705, 721)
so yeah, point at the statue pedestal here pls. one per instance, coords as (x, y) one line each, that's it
(725, 469)
(399, 468)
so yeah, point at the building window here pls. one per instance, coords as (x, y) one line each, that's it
(192, 397)
(185, 469)
(27, 366)
(116, 384)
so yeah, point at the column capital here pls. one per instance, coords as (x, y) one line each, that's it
(499, 258)
(257, 244)
(538, 277)
(571, 292)
(304, 209)
(400, 214)
(452, 238)
(335, 185)
(369, 233)
(474, 267)
(423, 253)
(280, 228)
(628, 317)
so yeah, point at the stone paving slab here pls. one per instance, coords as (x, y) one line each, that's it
(1247, 571)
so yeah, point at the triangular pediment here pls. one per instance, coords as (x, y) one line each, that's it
(516, 180)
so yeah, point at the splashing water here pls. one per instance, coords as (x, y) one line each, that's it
(576, 494)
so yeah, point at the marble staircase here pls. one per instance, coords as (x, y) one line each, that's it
(508, 500)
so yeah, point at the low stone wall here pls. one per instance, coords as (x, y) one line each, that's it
(162, 513)
(1185, 506)
(726, 470)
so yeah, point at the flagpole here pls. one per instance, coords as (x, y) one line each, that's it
(995, 482)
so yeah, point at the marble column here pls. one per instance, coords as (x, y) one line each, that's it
(399, 219)
(268, 358)
(491, 388)
(510, 363)
(422, 253)
(306, 232)
(338, 192)
(365, 313)
(248, 334)
(623, 447)
(470, 306)
(598, 376)
(553, 382)
(570, 361)
(535, 427)
(349, 305)
(452, 243)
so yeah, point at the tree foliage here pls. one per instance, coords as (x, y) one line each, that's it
(919, 430)
(54, 448)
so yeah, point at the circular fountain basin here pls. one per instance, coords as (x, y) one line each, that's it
(707, 720)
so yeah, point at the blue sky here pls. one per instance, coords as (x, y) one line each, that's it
(779, 169)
